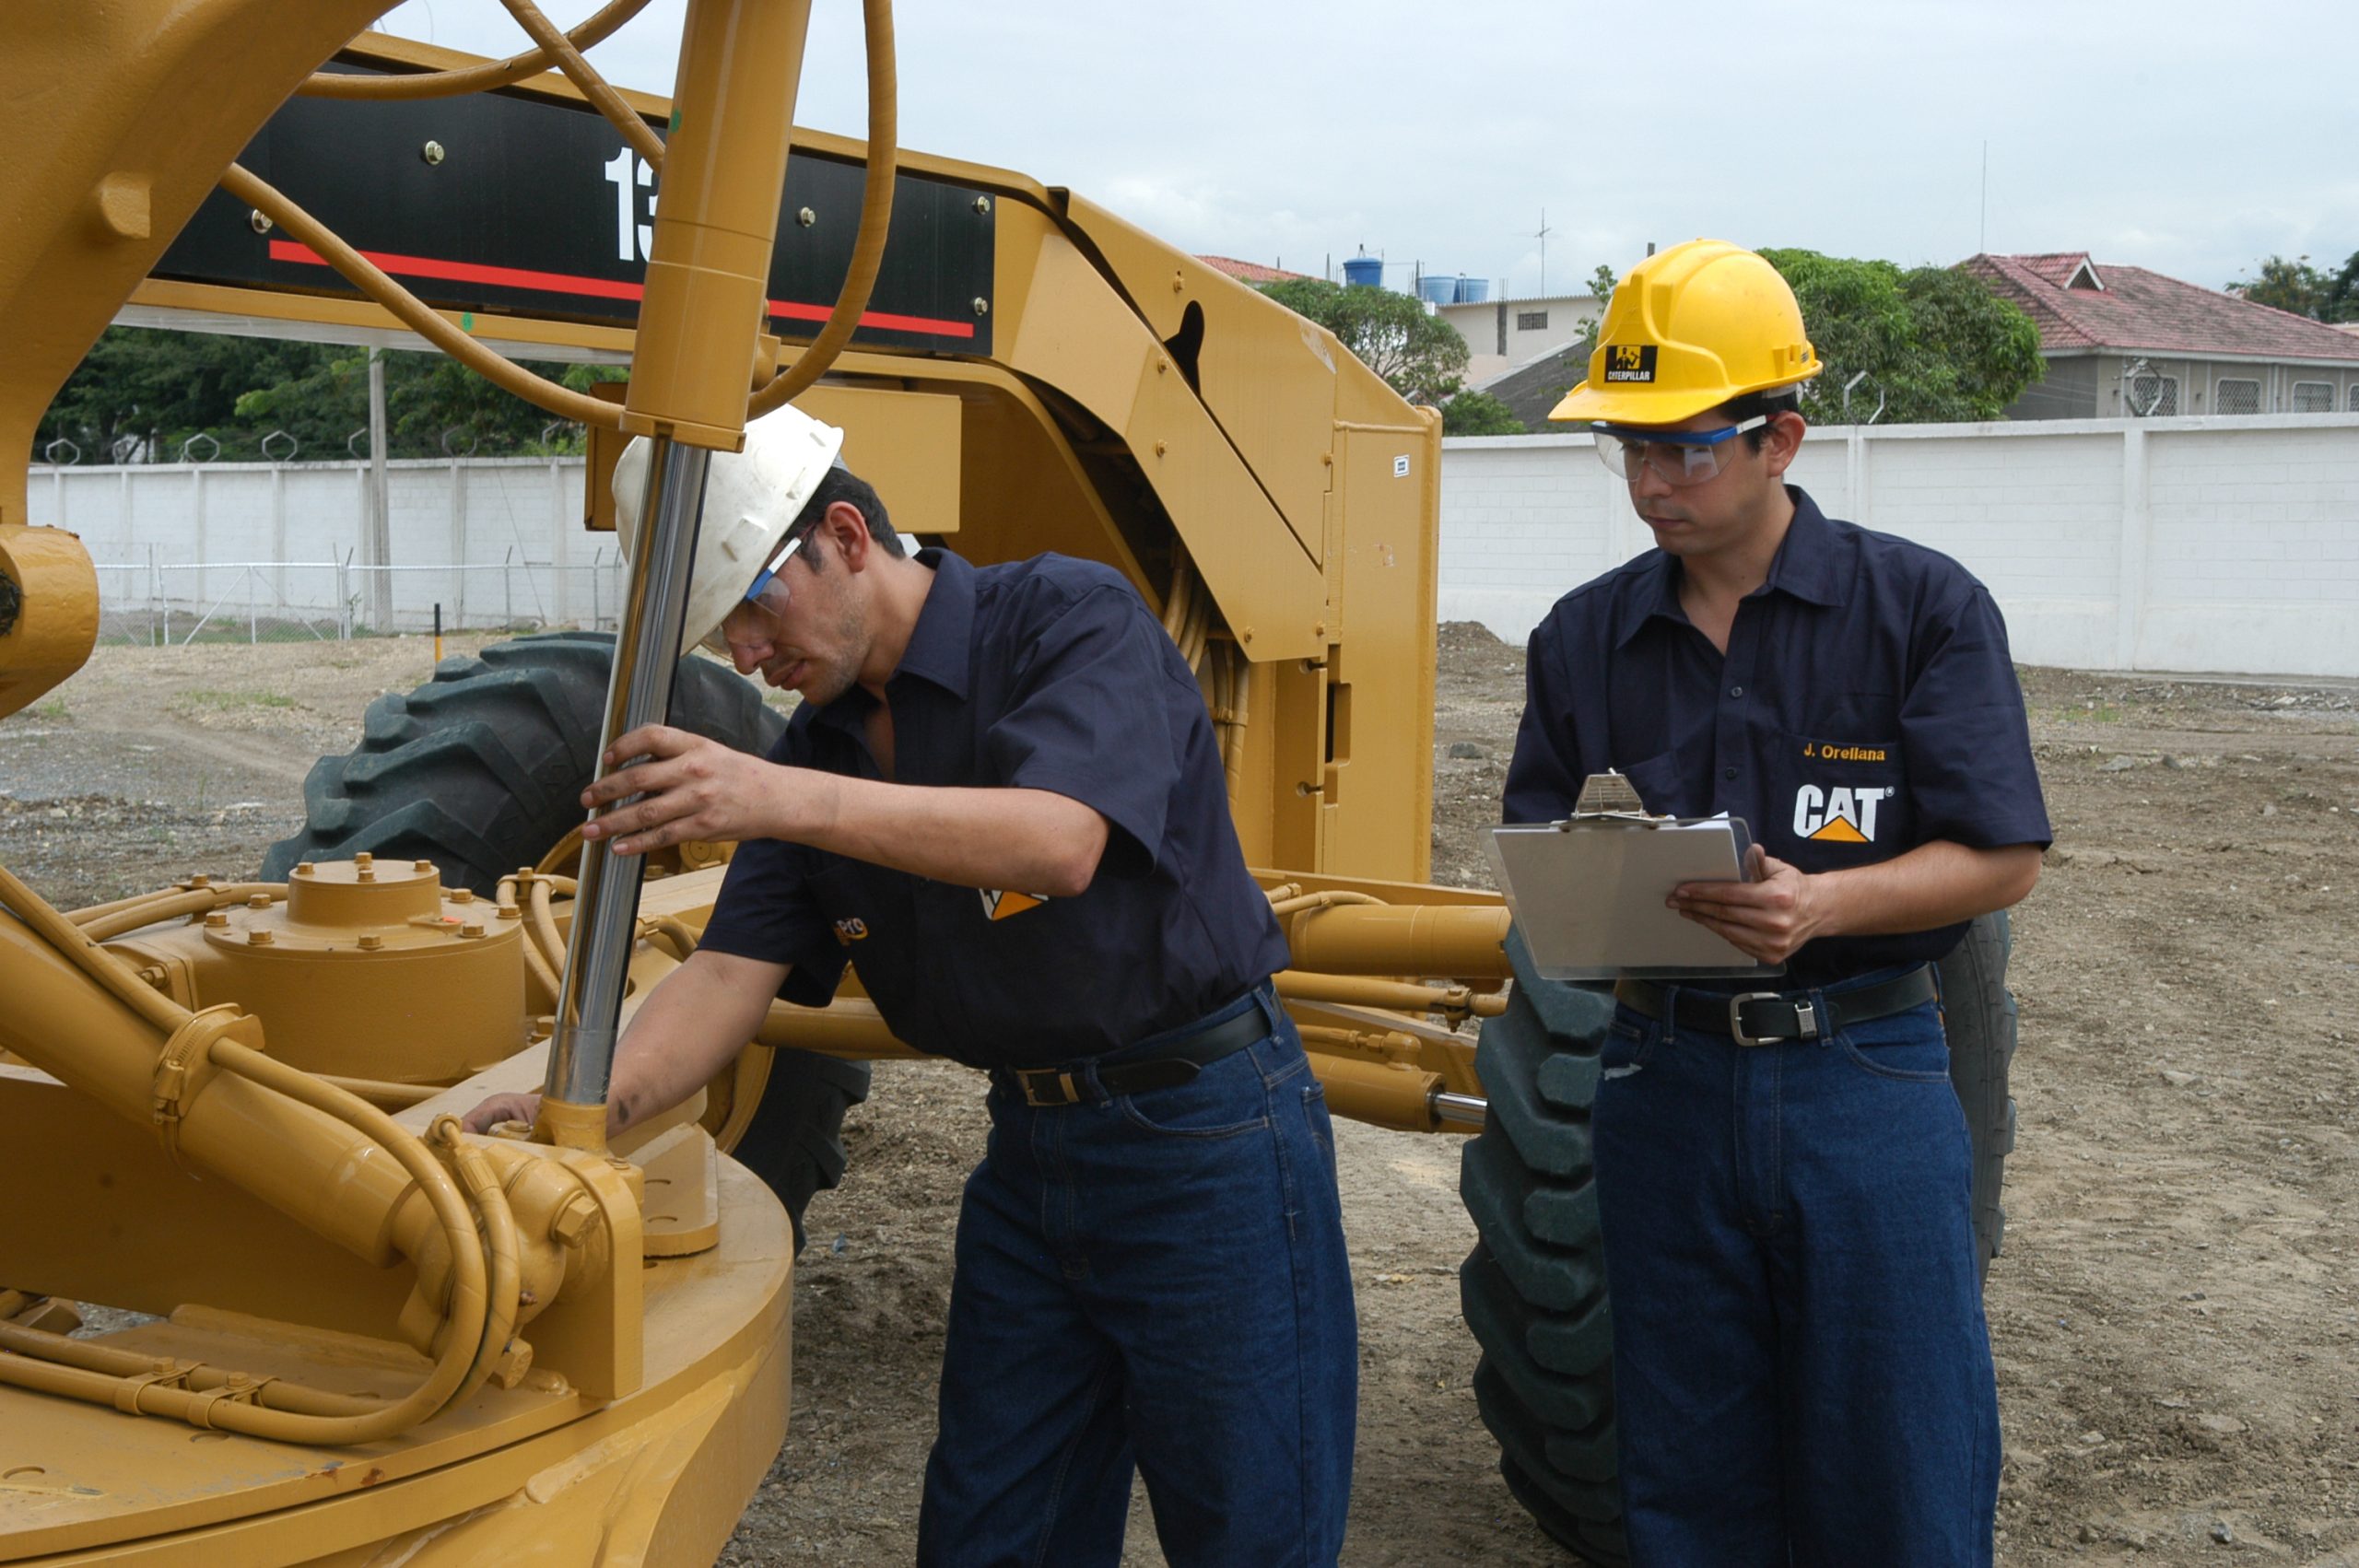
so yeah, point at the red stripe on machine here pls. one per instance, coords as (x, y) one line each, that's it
(590, 288)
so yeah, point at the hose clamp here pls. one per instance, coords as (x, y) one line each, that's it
(185, 1066)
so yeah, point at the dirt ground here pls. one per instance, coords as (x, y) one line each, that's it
(2176, 1312)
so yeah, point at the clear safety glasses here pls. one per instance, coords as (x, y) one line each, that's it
(765, 593)
(1675, 457)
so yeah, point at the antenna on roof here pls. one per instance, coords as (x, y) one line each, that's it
(1982, 235)
(1542, 237)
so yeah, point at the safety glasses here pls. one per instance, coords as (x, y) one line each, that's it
(1675, 457)
(766, 592)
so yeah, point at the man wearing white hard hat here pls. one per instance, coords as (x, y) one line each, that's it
(1002, 798)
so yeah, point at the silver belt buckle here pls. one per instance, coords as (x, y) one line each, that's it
(1736, 1016)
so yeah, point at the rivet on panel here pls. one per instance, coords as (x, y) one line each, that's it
(216, 920)
(463, 896)
(371, 942)
(258, 901)
(304, 868)
(364, 859)
(510, 912)
(982, 306)
(421, 865)
(259, 220)
(982, 204)
(364, 874)
(1162, 447)
(258, 939)
(471, 930)
(1245, 635)
(431, 152)
(199, 880)
(805, 217)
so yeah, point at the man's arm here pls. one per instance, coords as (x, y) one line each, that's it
(1034, 840)
(696, 1019)
(1932, 886)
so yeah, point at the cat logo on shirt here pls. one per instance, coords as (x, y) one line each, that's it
(1838, 816)
(998, 905)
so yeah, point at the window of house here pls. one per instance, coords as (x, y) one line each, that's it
(1532, 321)
(2154, 397)
(2313, 397)
(2236, 397)
(2354, 397)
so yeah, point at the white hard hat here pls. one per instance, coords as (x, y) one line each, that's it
(751, 498)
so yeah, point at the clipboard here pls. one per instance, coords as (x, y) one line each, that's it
(1588, 891)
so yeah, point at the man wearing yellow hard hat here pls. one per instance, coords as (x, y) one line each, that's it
(1803, 1373)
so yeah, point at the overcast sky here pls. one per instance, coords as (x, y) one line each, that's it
(2193, 139)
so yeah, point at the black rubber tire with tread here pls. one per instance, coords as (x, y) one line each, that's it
(1533, 1290)
(1979, 1016)
(481, 771)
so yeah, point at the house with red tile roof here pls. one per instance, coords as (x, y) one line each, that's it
(2122, 342)
(1250, 272)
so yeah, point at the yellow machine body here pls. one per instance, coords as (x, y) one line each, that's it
(226, 1106)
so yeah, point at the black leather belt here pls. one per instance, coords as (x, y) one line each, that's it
(1763, 1018)
(1168, 1067)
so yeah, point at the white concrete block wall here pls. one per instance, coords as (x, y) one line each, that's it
(187, 532)
(2191, 544)
(2184, 544)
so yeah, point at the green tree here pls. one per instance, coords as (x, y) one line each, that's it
(1479, 414)
(1421, 356)
(1937, 345)
(2304, 289)
(159, 389)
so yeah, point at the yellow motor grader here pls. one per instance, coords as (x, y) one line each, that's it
(358, 1334)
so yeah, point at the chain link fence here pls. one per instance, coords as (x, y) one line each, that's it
(164, 604)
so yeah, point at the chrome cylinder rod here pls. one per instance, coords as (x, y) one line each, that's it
(639, 692)
(1455, 1112)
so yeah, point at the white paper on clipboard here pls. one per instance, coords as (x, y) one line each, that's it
(1588, 895)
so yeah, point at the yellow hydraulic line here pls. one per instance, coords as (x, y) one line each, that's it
(849, 1027)
(72, 942)
(1303, 902)
(381, 1094)
(196, 901)
(1398, 996)
(582, 74)
(473, 78)
(90, 1355)
(1465, 941)
(499, 1243)
(237, 890)
(876, 219)
(415, 313)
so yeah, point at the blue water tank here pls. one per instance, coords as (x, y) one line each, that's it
(1367, 271)
(1438, 288)
(1473, 290)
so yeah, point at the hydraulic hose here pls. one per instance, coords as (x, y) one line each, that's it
(473, 78)
(414, 313)
(875, 221)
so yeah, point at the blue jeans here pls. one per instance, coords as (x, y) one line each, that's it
(1154, 1279)
(1802, 1370)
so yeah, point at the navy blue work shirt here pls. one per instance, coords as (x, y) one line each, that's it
(1048, 675)
(1866, 705)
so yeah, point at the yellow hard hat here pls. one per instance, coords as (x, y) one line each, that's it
(1686, 331)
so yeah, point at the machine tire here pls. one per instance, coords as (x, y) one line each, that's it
(481, 770)
(1978, 1015)
(1533, 1291)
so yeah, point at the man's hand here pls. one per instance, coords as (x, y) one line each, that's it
(515, 1105)
(1768, 918)
(694, 788)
